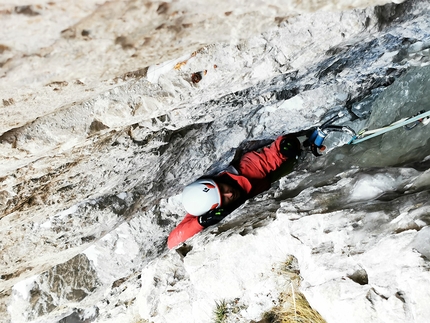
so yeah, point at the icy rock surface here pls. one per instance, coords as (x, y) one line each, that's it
(102, 126)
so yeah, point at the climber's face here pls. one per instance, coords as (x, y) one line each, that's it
(229, 194)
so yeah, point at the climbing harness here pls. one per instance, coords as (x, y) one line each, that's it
(317, 136)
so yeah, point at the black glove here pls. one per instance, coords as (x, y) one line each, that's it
(212, 217)
(289, 147)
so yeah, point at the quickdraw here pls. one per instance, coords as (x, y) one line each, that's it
(316, 138)
(365, 134)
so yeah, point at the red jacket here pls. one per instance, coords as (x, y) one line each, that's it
(254, 168)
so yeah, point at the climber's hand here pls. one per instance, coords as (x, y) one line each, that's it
(290, 148)
(212, 217)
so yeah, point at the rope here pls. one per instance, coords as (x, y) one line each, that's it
(377, 132)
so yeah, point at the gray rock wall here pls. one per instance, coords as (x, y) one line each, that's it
(94, 142)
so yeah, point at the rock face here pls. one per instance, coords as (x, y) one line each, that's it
(70, 53)
(109, 109)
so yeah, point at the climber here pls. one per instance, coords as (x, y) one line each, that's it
(208, 200)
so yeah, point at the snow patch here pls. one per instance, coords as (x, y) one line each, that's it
(68, 211)
(46, 225)
(155, 71)
(122, 195)
(92, 254)
(369, 187)
(23, 288)
(421, 242)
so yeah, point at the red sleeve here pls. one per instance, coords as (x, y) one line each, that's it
(258, 164)
(185, 230)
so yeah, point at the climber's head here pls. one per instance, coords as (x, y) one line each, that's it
(205, 194)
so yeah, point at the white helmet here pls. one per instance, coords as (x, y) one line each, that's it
(201, 196)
